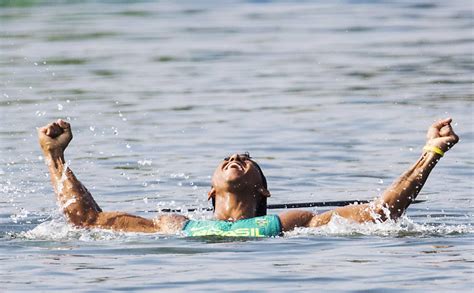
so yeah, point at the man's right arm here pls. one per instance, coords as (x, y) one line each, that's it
(76, 201)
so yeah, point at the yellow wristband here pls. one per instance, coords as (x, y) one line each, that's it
(433, 149)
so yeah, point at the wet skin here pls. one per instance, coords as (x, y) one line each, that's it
(237, 189)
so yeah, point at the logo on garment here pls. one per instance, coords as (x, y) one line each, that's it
(240, 232)
(261, 222)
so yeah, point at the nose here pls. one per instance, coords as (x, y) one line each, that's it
(235, 157)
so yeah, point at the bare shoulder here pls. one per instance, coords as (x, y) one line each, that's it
(170, 224)
(296, 218)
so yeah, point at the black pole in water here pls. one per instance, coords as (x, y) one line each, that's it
(338, 203)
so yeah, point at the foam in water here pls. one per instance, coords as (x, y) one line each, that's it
(404, 226)
(22, 214)
(58, 230)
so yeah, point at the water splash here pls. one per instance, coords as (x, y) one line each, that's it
(58, 230)
(404, 226)
(60, 183)
(69, 202)
(51, 230)
(22, 214)
(144, 162)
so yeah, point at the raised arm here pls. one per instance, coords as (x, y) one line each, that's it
(76, 202)
(395, 199)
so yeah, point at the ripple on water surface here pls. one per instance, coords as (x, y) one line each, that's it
(333, 99)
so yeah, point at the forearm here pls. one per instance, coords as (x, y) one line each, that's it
(404, 190)
(74, 199)
(394, 200)
(80, 208)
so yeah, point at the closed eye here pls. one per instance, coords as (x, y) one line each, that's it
(245, 156)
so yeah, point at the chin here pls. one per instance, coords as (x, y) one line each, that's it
(233, 176)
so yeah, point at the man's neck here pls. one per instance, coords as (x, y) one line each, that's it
(234, 207)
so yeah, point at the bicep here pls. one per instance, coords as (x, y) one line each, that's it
(360, 213)
(291, 219)
(124, 222)
(357, 213)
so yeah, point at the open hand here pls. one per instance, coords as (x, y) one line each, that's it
(55, 137)
(442, 135)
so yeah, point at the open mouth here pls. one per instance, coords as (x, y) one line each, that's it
(235, 165)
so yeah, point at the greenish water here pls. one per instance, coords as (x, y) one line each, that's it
(332, 98)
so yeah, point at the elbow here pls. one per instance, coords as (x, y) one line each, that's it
(382, 212)
(320, 220)
(81, 219)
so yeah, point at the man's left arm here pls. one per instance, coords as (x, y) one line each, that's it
(394, 200)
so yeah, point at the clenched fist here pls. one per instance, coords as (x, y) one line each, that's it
(55, 137)
(442, 135)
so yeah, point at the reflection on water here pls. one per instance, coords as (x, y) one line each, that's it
(332, 99)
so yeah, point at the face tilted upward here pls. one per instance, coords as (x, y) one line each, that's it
(237, 171)
(241, 176)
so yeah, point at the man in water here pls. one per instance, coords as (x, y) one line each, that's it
(238, 192)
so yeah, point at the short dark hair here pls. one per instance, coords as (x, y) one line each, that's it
(262, 206)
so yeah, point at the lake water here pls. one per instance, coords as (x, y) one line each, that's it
(333, 99)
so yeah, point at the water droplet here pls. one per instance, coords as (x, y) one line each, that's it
(144, 162)
(60, 107)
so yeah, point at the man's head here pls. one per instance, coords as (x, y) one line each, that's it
(242, 177)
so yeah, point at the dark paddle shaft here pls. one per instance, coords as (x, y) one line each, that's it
(339, 203)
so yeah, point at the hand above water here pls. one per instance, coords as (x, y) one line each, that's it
(55, 137)
(442, 135)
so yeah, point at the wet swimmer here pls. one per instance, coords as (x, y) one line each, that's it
(238, 193)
